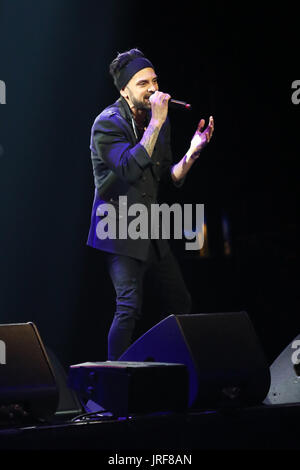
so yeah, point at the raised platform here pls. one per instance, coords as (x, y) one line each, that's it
(256, 428)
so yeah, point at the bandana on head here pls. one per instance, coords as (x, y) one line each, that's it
(127, 72)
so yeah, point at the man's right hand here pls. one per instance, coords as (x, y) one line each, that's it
(159, 107)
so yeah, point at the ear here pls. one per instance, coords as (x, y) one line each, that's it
(123, 93)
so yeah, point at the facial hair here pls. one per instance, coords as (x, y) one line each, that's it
(138, 104)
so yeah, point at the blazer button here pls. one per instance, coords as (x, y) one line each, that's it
(157, 163)
(144, 194)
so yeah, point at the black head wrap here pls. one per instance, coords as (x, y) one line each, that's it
(130, 69)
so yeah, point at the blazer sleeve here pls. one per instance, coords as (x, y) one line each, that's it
(113, 145)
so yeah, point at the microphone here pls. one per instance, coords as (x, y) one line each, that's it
(179, 105)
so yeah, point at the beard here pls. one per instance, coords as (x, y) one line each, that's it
(143, 104)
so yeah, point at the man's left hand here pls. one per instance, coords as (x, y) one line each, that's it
(201, 138)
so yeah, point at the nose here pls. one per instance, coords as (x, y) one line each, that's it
(152, 88)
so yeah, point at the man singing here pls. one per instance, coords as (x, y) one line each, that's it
(131, 156)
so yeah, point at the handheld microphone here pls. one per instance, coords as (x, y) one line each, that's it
(179, 105)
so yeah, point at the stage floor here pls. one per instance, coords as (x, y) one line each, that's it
(263, 427)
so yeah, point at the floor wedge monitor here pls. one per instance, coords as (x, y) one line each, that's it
(225, 362)
(285, 376)
(27, 381)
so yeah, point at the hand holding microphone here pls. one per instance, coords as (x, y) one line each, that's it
(159, 106)
(161, 101)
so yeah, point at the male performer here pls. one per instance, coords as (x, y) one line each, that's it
(131, 155)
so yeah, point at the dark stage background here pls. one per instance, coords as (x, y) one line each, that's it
(236, 63)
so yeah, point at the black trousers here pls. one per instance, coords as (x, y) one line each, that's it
(128, 277)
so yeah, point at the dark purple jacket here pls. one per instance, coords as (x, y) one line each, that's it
(122, 167)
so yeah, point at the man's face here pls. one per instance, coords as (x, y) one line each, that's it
(141, 86)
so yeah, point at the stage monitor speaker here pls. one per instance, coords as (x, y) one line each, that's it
(225, 361)
(124, 388)
(285, 376)
(69, 404)
(27, 381)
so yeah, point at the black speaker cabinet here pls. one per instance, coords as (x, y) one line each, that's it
(225, 362)
(124, 388)
(69, 405)
(285, 376)
(26, 375)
